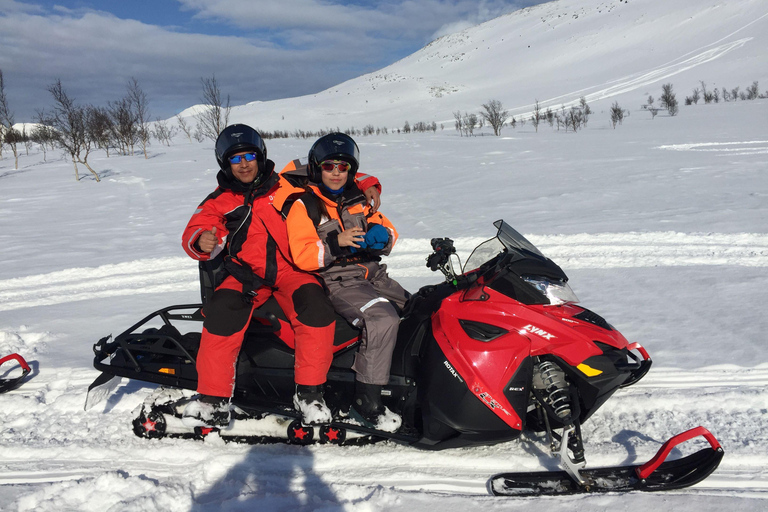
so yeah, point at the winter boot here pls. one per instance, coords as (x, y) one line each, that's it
(206, 411)
(309, 401)
(367, 404)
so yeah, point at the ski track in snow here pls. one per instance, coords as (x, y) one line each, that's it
(646, 78)
(754, 147)
(604, 250)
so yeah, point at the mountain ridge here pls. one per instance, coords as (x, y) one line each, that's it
(554, 53)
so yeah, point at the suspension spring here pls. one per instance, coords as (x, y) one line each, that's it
(555, 387)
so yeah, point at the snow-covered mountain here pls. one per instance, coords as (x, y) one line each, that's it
(605, 50)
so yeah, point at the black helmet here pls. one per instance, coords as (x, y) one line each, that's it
(236, 138)
(334, 146)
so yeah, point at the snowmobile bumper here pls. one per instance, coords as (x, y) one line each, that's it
(657, 474)
(641, 365)
(11, 383)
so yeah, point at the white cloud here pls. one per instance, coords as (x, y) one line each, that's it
(11, 6)
(274, 50)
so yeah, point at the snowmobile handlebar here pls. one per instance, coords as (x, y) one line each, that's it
(440, 260)
(443, 248)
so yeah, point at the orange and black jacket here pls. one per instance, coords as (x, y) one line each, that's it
(315, 220)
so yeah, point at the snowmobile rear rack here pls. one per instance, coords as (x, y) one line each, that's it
(11, 383)
(170, 352)
(657, 474)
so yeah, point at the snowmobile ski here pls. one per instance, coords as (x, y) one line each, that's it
(657, 474)
(10, 383)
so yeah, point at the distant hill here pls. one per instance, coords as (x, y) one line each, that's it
(606, 50)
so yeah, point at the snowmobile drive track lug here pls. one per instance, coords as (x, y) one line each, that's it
(655, 475)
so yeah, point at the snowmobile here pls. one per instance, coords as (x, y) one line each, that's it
(498, 348)
(9, 383)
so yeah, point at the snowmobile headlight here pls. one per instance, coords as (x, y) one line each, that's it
(558, 292)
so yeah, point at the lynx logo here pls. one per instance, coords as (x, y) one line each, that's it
(453, 372)
(237, 135)
(338, 142)
(538, 332)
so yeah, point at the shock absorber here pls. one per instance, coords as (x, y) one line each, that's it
(552, 391)
(549, 379)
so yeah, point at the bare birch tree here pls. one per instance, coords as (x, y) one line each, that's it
(617, 114)
(140, 108)
(70, 122)
(215, 115)
(668, 99)
(124, 131)
(184, 126)
(459, 123)
(7, 134)
(43, 134)
(586, 111)
(536, 116)
(494, 113)
(100, 128)
(163, 131)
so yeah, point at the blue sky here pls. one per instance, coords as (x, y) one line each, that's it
(258, 50)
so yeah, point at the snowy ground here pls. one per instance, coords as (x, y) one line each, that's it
(660, 224)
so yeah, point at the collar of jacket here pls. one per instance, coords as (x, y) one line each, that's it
(350, 196)
(229, 182)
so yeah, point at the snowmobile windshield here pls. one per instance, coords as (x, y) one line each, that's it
(483, 253)
(506, 238)
(514, 240)
(524, 268)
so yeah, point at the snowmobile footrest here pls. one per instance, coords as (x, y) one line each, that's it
(655, 475)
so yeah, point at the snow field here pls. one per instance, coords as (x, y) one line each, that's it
(583, 251)
(660, 224)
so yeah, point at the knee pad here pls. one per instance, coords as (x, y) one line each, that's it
(227, 313)
(313, 307)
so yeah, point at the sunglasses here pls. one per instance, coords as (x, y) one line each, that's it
(329, 165)
(249, 157)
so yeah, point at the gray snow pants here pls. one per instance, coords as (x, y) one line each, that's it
(361, 294)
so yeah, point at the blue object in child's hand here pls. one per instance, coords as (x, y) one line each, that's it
(362, 243)
(377, 237)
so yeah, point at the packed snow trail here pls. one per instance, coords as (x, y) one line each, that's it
(603, 250)
(48, 438)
